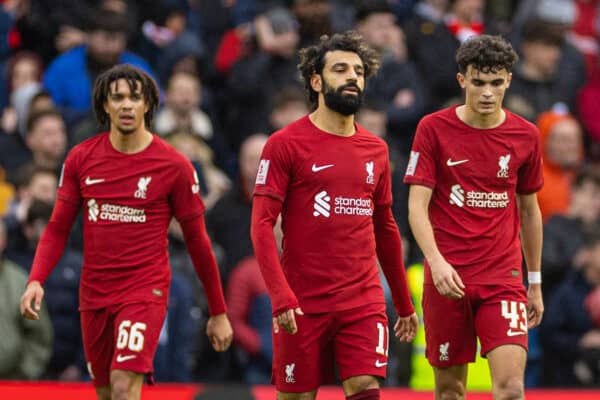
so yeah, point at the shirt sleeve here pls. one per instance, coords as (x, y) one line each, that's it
(531, 177)
(421, 169)
(68, 182)
(383, 191)
(185, 193)
(274, 169)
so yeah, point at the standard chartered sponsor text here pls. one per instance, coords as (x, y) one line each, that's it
(487, 199)
(117, 213)
(352, 206)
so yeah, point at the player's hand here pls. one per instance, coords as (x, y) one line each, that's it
(405, 328)
(219, 332)
(31, 301)
(446, 280)
(535, 305)
(287, 320)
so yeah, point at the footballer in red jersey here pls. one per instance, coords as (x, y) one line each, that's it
(330, 180)
(474, 172)
(129, 184)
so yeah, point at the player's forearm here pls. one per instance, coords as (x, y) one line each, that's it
(205, 264)
(264, 215)
(420, 225)
(389, 252)
(531, 236)
(53, 241)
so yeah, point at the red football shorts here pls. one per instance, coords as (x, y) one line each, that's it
(496, 314)
(356, 340)
(122, 337)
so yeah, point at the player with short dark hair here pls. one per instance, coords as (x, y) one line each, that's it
(130, 183)
(330, 180)
(474, 171)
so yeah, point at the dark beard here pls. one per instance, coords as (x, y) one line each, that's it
(345, 104)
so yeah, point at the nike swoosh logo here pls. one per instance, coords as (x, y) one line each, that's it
(514, 333)
(121, 358)
(321, 167)
(380, 364)
(451, 163)
(90, 181)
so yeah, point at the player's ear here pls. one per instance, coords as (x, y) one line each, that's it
(461, 80)
(316, 82)
(508, 79)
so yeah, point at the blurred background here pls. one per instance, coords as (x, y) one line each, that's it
(228, 79)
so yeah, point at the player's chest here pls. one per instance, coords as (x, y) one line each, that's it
(474, 159)
(347, 167)
(125, 184)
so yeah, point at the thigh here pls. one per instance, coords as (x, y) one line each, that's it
(507, 364)
(98, 344)
(361, 341)
(501, 318)
(136, 331)
(303, 361)
(449, 328)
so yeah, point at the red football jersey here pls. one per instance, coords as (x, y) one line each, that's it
(329, 186)
(475, 175)
(128, 201)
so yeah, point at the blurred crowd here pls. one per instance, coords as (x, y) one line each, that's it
(228, 78)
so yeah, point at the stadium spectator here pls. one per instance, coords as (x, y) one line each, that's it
(69, 76)
(469, 167)
(549, 73)
(571, 340)
(229, 221)
(26, 346)
(562, 151)
(130, 184)
(397, 85)
(564, 232)
(288, 106)
(327, 302)
(62, 291)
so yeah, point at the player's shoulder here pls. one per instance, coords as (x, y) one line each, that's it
(365, 135)
(291, 132)
(89, 145)
(447, 114)
(168, 153)
(517, 122)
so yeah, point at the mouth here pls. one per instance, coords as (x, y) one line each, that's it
(126, 119)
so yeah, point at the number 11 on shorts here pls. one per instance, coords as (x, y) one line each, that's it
(383, 339)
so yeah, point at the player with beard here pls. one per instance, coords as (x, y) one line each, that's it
(130, 184)
(330, 180)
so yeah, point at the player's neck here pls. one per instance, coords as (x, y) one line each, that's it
(332, 122)
(130, 143)
(478, 120)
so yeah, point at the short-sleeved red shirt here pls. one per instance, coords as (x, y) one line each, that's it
(475, 175)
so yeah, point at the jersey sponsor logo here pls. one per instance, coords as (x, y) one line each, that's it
(316, 168)
(289, 373)
(89, 181)
(196, 185)
(369, 166)
(341, 205)
(379, 364)
(93, 210)
(474, 199)
(121, 358)
(444, 351)
(142, 184)
(263, 171)
(503, 164)
(412, 163)
(322, 206)
(451, 163)
(115, 213)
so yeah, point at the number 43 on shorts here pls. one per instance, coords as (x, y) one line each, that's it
(516, 313)
(131, 336)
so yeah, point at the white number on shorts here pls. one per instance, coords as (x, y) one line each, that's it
(509, 311)
(383, 341)
(131, 336)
